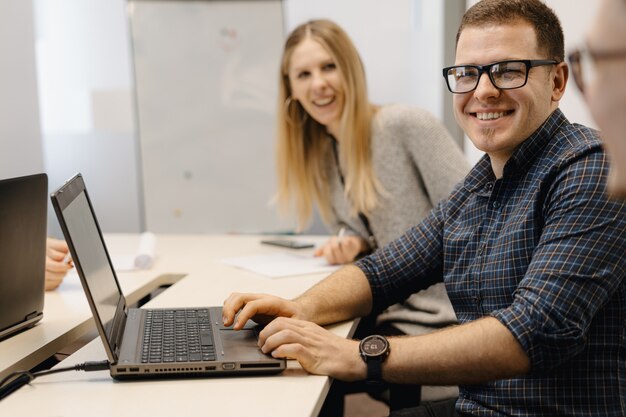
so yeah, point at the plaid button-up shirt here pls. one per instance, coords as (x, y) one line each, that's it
(543, 250)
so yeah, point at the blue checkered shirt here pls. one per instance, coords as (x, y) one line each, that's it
(543, 251)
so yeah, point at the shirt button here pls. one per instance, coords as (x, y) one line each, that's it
(489, 186)
(495, 205)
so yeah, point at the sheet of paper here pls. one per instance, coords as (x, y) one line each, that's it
(282, 264)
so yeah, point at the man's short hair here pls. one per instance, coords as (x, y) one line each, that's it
(544, 21)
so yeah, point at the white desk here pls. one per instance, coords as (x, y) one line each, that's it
(292, 393)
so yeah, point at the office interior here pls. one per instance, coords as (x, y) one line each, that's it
(173, 131)
(80, 79)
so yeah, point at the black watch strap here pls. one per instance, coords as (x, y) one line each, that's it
(374, 372)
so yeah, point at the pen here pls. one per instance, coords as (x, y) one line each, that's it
(67, 258)
(342, 232)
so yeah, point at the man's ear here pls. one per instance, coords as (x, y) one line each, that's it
(559, 80)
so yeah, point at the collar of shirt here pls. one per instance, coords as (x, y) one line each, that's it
(481, 178)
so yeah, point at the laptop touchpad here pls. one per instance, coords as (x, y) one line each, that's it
(241, 343)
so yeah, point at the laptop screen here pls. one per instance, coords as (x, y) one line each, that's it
(23, 247)
(92, 259)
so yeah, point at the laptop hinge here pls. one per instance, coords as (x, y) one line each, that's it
(119, 324)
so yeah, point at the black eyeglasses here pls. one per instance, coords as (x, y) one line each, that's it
(583, 62)
(504, 75)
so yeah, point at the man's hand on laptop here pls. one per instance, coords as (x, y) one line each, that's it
(318, 350)
(289, 334)
(262, 308)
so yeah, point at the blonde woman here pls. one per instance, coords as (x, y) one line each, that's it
(373, 171)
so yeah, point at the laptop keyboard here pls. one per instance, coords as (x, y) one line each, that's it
(177, 336)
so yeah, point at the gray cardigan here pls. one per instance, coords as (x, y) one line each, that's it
(418, 164)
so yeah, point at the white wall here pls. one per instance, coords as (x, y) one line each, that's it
(84, 74)
(90, 73)
(20, 144)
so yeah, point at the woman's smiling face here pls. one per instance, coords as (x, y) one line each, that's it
(316, 83)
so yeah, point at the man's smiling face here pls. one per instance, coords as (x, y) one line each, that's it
(498, 121)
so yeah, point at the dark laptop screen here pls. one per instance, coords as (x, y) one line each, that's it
(92, 259)
(23, 247)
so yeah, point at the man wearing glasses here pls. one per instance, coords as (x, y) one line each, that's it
(528, 245)
(599, 70)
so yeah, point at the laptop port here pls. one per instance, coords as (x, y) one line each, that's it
(228, 366)
(259, 365)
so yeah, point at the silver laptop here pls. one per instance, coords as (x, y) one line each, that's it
(23, 208)
(143, 343)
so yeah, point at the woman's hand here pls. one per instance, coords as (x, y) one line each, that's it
(56, 263)
(341, 250)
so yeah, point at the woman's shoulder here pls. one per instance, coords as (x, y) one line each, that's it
(403, 115)
(402, 120)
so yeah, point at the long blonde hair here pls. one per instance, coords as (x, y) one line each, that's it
(303, 146)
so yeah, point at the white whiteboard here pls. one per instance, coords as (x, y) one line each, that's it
(207, 81)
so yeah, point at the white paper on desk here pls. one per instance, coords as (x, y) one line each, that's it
(282, 264)
(143, 259)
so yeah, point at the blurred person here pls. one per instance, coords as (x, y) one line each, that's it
(600, 73)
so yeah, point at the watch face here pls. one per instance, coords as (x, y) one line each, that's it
(374, 346)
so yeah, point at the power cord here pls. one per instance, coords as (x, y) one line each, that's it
(18, 379)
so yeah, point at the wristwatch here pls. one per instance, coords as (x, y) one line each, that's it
(374, 350)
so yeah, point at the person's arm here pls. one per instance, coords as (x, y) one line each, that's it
(392, 272)
(343, 295)
(472, 353)
(476, 352)
(379, 280)
(480, 351)
(345, 249)
(576, 269)
(353, 242)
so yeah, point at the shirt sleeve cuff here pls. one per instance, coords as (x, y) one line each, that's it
(519, 323)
